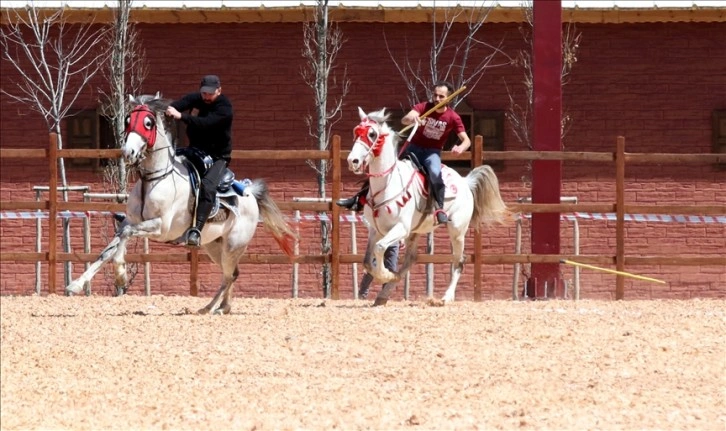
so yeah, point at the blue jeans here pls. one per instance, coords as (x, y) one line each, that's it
(431, 161)
(429, 158)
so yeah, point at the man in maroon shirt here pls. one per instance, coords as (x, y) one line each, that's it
(426, 144)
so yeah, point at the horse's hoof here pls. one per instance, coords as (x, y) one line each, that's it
(380, 301)
(75, 287)
(204, 310)
(433, 302)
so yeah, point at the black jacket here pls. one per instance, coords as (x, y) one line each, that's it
(211, 129)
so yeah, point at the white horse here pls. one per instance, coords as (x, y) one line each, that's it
(161, 204)
(398, 207)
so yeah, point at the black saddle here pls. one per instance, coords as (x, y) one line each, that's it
(198, 163)
(414, 160)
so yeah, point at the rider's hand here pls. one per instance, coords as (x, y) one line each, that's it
(172, 112)
(457, 149)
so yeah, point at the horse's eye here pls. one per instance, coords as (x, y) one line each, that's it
(372, 135)
(148, 122)
(128, 120)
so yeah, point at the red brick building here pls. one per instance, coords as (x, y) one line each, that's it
(653, 75)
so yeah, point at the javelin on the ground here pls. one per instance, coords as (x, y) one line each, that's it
(612, 271)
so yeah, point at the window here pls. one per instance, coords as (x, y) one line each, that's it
(719, 133)
(490, 124)
(86, 129)
(487, 123)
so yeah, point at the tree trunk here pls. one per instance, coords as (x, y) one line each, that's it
(67, 266)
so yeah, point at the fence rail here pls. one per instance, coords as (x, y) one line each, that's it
(337, 258)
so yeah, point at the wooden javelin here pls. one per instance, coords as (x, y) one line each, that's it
(612, 271)
(438, 105)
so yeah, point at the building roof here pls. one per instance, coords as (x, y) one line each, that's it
(276, 4)
(211, 11)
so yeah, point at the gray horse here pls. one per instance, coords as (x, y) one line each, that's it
(160, 206)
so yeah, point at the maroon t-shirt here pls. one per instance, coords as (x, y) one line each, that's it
(437, 128)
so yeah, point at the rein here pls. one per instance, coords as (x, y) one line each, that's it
(147, 176)
(363, 133)
(384, 173)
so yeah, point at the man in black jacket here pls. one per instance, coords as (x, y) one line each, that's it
(209, 131)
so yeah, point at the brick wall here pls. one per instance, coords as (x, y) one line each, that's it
(655, 84)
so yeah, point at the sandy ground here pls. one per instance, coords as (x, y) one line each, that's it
(140, 362)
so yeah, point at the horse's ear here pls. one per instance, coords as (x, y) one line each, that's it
(382, 115)
(362, 114)
(132, 99)
(158, 95)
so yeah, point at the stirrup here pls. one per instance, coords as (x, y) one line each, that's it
(193, 237)
(352, 203)
(441, 217)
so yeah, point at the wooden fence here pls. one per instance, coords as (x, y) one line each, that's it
(337, 258)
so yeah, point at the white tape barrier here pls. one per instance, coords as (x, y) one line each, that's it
(660, 218)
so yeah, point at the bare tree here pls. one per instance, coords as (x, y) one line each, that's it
(462, 62)
(322, 41)
(55, 61)
(124, 71)
(519, 114)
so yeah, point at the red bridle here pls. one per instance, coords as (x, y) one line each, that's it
(370, 136)
(142, 121)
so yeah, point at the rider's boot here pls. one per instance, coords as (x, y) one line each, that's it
(193, 235)
(439, 189)
(355, 203)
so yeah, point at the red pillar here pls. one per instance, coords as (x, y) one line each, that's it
(546, 174)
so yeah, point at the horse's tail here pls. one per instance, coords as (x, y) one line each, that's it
(489, 208)
(272, 217)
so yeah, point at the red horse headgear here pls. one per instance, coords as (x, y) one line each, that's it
(142, 121)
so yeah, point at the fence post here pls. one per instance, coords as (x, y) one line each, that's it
(620, 214)
(476, 160)
(335, 222)
(52, 211)
(194, 272)
(86, 243)
(38, 243)
(295, 264)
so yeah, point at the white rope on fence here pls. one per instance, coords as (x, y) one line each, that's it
(659, 218)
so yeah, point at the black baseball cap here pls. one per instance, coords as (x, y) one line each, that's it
(210, 84)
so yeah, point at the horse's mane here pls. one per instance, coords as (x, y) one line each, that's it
(154, 101)
(381, 117)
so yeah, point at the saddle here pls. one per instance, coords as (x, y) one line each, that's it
(197, 163)
(425, 178)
